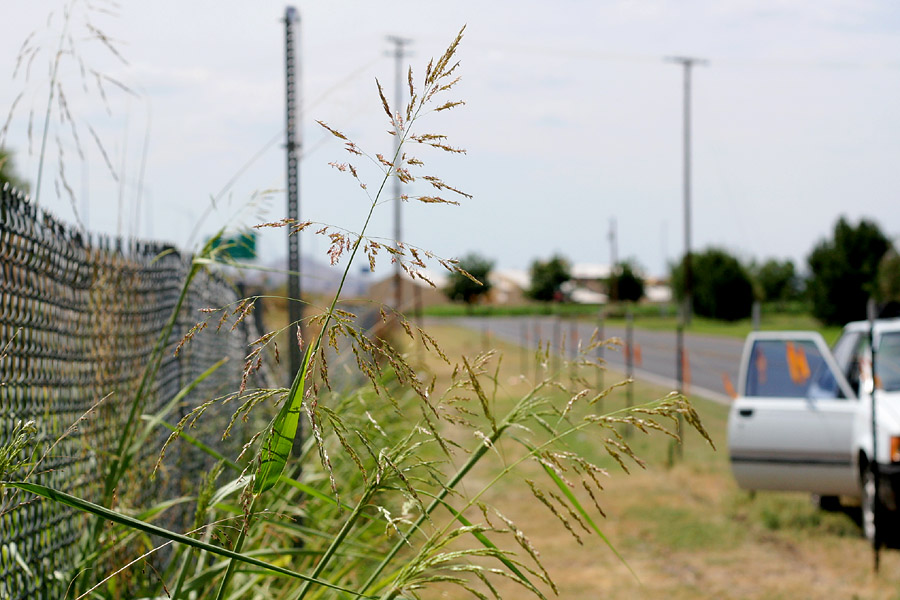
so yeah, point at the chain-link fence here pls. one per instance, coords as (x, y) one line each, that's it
(79, 319)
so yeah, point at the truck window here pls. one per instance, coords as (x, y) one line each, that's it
(790, 369)
(887, 361)
(854, 372)
(845, 352)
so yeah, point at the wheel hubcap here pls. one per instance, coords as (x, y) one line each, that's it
(868, 505)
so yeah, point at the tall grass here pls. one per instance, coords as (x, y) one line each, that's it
(391, 497)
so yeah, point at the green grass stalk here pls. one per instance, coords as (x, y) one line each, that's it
(338, 540)
(238, 546)
(438, 500)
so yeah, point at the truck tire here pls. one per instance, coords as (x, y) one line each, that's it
(871, 517)
(826, 503)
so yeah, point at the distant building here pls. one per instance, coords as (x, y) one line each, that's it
(415, 293)
(582, 295)
(589, 284)
(508, 286)
(657, 291)
(594, 277)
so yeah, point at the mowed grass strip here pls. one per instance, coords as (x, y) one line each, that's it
(681, 524)
(648, 317)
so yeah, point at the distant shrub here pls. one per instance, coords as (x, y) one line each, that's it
(844, 271)
(722, 288)
(625, 284)
(776, 281)
(547, 278)
(463, 288)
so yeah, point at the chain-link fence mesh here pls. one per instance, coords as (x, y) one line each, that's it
(79, 319)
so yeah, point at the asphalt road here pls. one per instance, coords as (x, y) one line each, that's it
(710, 360)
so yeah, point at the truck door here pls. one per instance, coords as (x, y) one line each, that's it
(791, 426)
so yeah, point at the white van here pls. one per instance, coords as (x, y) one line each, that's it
(803, 418)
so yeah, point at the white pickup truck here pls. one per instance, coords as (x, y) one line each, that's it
(803, 418)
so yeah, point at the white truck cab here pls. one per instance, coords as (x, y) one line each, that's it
(803, 417)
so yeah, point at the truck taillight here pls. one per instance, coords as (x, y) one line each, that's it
(895, 449)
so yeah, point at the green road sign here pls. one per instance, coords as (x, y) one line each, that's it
(239, 246)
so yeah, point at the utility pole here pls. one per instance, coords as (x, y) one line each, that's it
(399, 55)
(613, 291)
(292, 145)
(663, 242)
(613, 246)
(687, 63)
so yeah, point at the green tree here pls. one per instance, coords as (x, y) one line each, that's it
(8, 173)
(722, 287)
(459, 287)
(777, 280)
(889, 279)
(843, 271)
(547, 278)
(625, 284)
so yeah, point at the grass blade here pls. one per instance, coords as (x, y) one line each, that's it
(306, 489)
(154, 420)
(280, 440)
(109, 515)
(313, 492)
(487, 543)
(577, 505)
(199, 445)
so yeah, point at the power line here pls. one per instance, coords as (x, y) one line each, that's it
(613, 245)
(613, 56)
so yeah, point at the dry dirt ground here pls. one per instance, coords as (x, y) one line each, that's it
(683, 529)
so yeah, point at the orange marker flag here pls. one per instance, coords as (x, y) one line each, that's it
(802, 364)
(638, 359)
(761, 366)
(729, 387)
(797, 363)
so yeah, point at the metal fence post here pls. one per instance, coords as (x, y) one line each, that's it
(573, 340)
(600, 347)
(556, 345)
(523, 335)
(629, 362)
(679, 371)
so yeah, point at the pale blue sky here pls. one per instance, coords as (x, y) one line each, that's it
(572, 118)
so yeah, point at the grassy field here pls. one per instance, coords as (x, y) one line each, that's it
(736, 329)
(458, 309)
(655, 318)
(681, 525)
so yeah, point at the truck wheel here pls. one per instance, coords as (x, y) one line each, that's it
(869, 523)
(826, 503)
